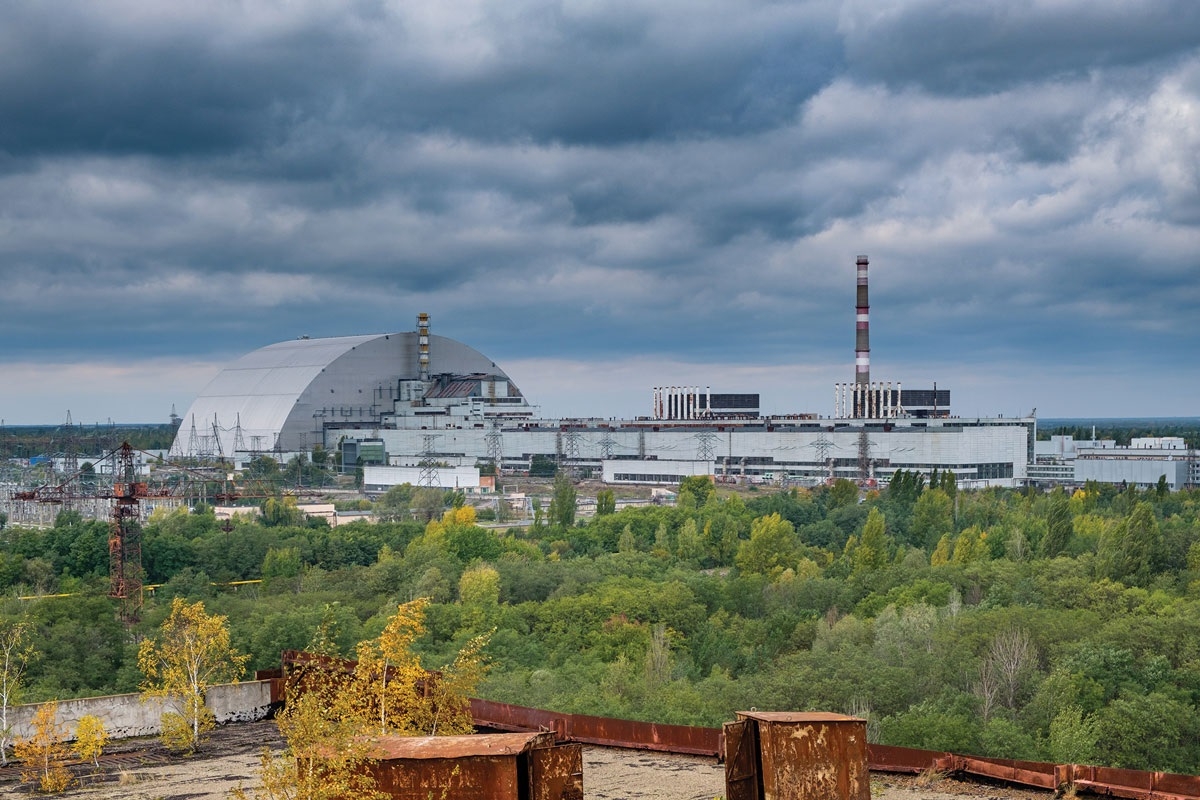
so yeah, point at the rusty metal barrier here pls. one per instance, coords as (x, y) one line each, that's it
(630, 734)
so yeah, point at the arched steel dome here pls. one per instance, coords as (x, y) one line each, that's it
(280, 396)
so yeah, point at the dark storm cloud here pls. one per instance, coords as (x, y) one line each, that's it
(88, 79)
(686, 182)
(993, 45)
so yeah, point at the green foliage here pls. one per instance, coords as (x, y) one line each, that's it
(1033, 626)
(772, 547)
(932, 518)
(842, 493)
(562, 505)
(1073, 737)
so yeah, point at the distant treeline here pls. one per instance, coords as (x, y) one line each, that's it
(29, 441)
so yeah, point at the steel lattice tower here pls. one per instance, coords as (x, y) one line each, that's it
(125, 537)
(495, 446)
(429, 478)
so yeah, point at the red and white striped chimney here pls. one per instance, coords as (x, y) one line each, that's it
(862, 329)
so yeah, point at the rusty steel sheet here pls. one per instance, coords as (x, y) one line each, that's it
(501, 766)
(624, 733)
(419, 748)
(1135, 784)
(1026, 773)
(556, 773)
(474, 778)
(811, 756)
(890, 758)
(644, 735)
(741, 761)
(505, 717)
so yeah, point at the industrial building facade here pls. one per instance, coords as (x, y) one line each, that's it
(426, 402)
(1065, 461)
(412, 399)
(981, 452)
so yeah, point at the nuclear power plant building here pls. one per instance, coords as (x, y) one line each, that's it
(412, 398)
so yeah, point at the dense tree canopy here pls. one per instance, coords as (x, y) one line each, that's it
(1055, 626)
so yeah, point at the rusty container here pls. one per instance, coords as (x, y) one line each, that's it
(784, 755)
(501, 766)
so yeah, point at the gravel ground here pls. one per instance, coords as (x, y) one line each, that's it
(142, 770)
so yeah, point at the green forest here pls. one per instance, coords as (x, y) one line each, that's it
(1053, 626)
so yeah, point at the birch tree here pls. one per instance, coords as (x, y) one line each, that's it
(190, 653)
(15, 654)
(44, 754)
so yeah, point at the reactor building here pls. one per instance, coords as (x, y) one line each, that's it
(405, 405)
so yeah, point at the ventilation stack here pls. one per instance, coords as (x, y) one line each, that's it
(862, 341)
(423, 346)
(862, 325)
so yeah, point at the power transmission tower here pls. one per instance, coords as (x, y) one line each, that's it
(239, 443)
(429, 477)
(705, 446)
(864, 455)
(606, 445)
(824, 447)
(70, 452)
(1189, 480)
(495, 446)
(571, 453)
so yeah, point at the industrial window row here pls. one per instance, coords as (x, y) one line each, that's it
(634, 478)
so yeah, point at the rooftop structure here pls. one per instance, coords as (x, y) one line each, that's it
(280, 398)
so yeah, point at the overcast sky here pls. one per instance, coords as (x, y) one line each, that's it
(606, 196)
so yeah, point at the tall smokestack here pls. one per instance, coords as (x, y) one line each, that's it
(862, 329)
(423, 346)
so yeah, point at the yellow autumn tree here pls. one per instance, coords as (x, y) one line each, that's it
(326, 753)
(449, 696)
(44, 753)
(330, 721)
(90, 738)
(189, 653)
(386, 689)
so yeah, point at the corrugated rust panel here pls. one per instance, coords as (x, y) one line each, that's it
(475, 778)
(741, 761)
(556, 773)
(814, 759)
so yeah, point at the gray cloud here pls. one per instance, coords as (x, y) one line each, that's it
(688, 182)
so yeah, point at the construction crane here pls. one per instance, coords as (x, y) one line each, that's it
(124, 537)
(126, 493)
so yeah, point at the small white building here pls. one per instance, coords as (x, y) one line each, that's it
(378, 479)
(653, 471)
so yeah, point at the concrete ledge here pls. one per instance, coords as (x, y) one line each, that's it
(126, 715)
